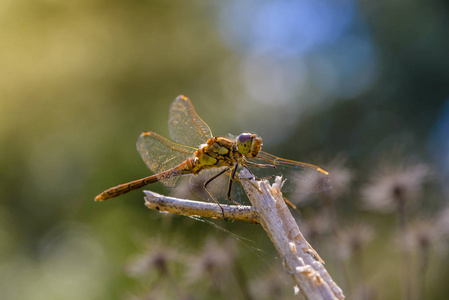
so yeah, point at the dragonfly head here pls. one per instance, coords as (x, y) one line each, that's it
(248, 144)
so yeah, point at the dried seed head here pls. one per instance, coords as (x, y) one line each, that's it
(341, 177)
(315, 226)
(442, 221)
(214, 263)
(274, 284)
(155, 259)
(421, 233)
(393, 186)
(352, 238)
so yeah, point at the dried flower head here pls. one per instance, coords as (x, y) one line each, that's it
(214, 263)
(335, 185)
(274, 285)
(421, 233)
(393, 186)
(341, 177)
(315, 226)
(442, 221)
(352, 238)
(162, 293)
(155, 294)
(155, 259)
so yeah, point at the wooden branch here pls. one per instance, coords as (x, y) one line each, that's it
(198, 208)
(297, 255)
(269, 209)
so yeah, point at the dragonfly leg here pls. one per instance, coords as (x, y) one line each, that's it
(210, 195)
(231, 179)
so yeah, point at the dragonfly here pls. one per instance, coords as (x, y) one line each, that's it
(195, 151)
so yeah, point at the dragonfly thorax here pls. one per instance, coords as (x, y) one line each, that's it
(217, 152)
(248, 144)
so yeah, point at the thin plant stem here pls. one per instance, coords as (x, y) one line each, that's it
(242, 281)
(406, 271)
(423, 263)
(360, 271)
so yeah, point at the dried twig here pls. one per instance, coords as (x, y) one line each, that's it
(270, 210)
(309, 274)
(198, 208)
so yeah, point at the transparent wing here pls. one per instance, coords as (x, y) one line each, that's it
(185, 126)
(302, 178)
(159, 154)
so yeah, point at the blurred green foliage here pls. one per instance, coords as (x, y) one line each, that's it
(81, 80)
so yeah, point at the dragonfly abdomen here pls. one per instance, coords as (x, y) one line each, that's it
(125, 188)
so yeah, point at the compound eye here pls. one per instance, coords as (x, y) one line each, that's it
(244, 137)
(244, 142)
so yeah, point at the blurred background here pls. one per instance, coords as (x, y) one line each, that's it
(358, 87)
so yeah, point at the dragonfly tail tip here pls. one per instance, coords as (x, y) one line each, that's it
(99, 198)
